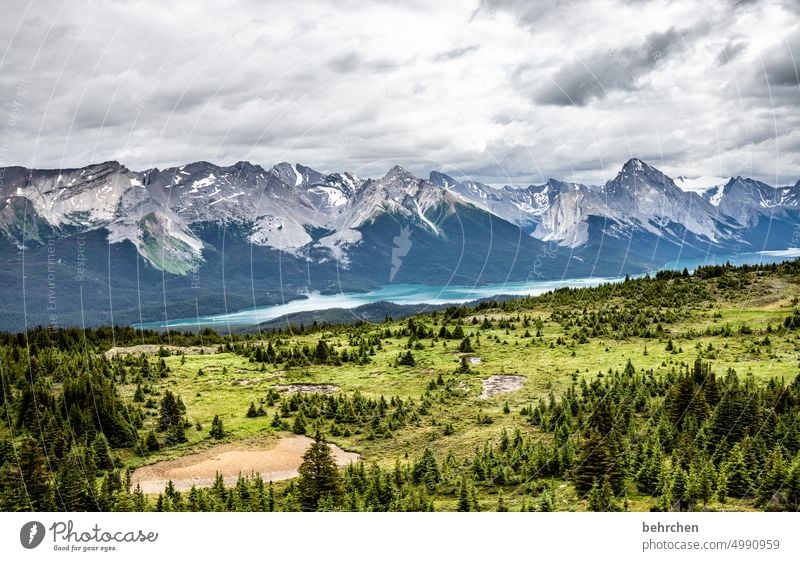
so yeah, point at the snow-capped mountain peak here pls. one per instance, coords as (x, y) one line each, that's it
(287, 173)
(399, 175)
(636, 171)
(288, 207)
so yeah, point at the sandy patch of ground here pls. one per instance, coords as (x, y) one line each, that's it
(501, 383)
(277, 463)
(308, 388)
(148, 349)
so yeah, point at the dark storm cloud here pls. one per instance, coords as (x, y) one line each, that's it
(577, 82)
(781, 62)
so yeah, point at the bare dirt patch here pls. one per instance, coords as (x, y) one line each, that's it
(501, 383)
(276, 463)
(151, 349)
(308, 388)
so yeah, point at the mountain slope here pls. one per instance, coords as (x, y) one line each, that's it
(207, 238)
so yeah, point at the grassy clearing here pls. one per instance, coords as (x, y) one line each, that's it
(549, 356)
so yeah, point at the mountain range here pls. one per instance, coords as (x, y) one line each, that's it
(105, 244)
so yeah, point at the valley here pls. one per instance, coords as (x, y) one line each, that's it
(676, 391)
(410, 299)
(104, 244)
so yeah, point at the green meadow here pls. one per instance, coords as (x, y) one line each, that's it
(553, 342)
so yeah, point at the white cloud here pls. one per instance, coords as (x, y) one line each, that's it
(475, 90)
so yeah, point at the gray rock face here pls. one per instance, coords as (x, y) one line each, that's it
(746, 200)
(300, 211)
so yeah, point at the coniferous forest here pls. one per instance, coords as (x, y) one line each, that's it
(673, 392)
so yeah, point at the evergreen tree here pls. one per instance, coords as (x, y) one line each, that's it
(790, 495)
(547, 502)
(123, 502)
(102, 452)
(701, 483)
(270, 353)
(464, 504)
(773, 481)
(426, 472)
(407, 359)
(737, 474)
(271, 498)
(171, 412)
(138, 395)
(140, 503)
(144, 370)
(319, 477)
(598, 461)
(299, 425)
(152, 443)
(601, 498)
(679, 490)
(686, 401)
(648, 476)
(74, 483)
(176, 434)
(252, 411)
(321, 353)
(26, 484)
(217, 430)
(110, 484)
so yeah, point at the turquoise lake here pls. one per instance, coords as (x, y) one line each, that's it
(434, 295)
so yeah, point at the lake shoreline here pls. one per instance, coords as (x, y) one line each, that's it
(405, 299)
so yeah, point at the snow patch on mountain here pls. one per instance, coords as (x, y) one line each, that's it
(288, 206)
(332, 196)
(339, 242)
(279, 233)
(715, 195)
(201, 183)
(699, 184)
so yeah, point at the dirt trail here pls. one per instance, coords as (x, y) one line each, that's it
(276, 463)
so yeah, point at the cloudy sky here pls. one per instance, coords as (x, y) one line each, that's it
(497, 90)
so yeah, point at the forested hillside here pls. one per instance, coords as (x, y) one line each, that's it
(674, 392)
